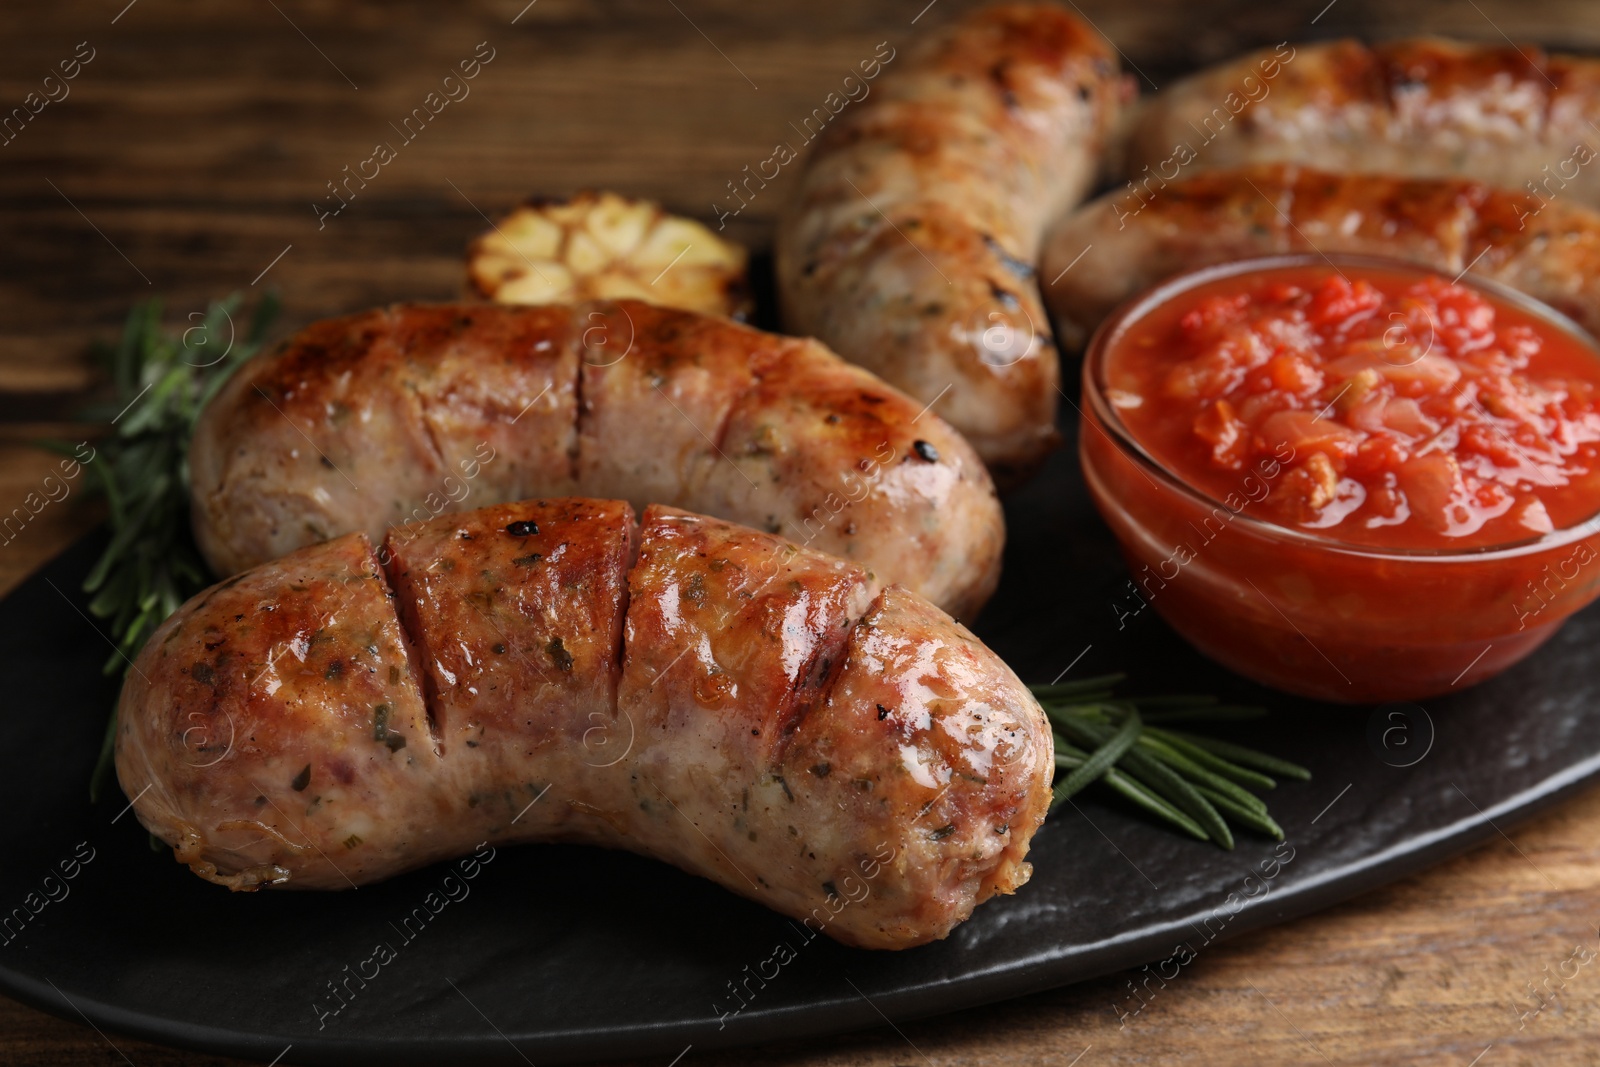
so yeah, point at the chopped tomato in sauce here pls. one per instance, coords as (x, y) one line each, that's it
(1383, 409)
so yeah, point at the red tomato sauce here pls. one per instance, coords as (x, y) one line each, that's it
(1382, 409)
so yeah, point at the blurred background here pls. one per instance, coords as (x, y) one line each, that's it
(192, 147)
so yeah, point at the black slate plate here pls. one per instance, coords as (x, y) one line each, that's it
(561, 953)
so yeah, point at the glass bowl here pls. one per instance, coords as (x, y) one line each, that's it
(1304, 612)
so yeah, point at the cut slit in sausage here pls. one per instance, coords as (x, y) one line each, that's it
(693, 690)
(389, 418)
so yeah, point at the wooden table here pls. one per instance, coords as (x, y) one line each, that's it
(185, 162)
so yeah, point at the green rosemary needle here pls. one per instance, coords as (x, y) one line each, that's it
(1194, 783)
(160, 383)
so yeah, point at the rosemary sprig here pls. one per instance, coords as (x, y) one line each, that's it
(161, 382)
(1195, 783)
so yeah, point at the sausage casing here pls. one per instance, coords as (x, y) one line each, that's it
(392, 417)
(910, 244)
(759, 714)
(1510, 115)
(1549, 250)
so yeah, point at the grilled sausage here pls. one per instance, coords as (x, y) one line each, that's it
(1548, 249)
(1515, 117)
(910, 244)
(395, 416)
(756, 713)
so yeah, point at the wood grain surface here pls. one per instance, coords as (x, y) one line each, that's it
(185, 161)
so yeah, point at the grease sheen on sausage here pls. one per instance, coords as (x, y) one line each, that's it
(1422, 107)
(391, 417)
(910, 244)
(1547, 249)
(761, 715)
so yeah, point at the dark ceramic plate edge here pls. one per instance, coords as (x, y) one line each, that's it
(972, 990)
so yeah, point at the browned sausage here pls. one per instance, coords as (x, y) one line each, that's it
(759, 714)
(1511, 116)
(393, 416)
(911, 241)
(1549, 250)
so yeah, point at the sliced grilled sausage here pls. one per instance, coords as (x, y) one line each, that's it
(759, 714)
(910, 244)
(1512, 116)
(1548, 249)
(391, 417)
